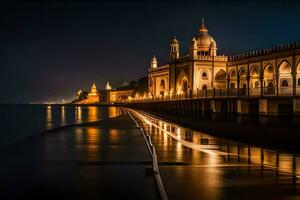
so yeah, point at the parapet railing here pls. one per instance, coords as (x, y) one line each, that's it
(224, 93)
(153, 154)
(266, 51)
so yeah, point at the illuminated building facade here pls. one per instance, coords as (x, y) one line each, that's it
(272, 71)
(91, 97)
(110, 96)
(202, 69)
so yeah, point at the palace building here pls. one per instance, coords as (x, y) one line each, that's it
(202, 69)
(269, 71)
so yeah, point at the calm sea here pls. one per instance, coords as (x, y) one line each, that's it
(20, 121)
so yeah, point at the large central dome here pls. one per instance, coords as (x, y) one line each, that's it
(203, 39)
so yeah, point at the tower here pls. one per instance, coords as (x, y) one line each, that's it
(213, 48)
(174, 50)
(108, 87)
(79, 93)
(153, 64)
(193, 48)
(94, 90)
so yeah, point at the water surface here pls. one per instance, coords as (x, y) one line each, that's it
(20, 121)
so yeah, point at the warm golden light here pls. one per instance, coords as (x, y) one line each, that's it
(178, 133)
(63, 115)
(78, 114)
(112, 112)
(92, 142)
(92, 113)
(49, 117)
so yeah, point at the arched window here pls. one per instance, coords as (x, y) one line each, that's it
(298, 81)
(204, 75)
(204, 87)
(162, 83)
(284, 83)
(270, 85)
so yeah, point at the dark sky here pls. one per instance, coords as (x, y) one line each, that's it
(49, 50)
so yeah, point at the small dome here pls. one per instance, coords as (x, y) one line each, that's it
(213, 44)
(193, 43)
(174, 41)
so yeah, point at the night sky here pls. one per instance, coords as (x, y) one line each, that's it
(49, 50)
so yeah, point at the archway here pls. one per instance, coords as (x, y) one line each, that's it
(232, 79)
(269, 79)
(162, 86)
(285, 78)
(254, 82)
(242, 76)
(220, 79)
(182, 85)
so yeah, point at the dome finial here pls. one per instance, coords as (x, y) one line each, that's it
(202, 28)
(202, 23)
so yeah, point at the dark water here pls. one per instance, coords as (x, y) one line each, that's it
(20, 121)
(104, 160)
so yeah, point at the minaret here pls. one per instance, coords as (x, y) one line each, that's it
(79, 93)
(108, 87)
(174, 50)
(94, 90)
(213, 48)
(193, 48)
(153, 62)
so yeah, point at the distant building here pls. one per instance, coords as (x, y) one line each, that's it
(124, 93)
(91, 97)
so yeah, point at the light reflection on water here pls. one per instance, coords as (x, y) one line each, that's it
(63, 115)
(49, 123)
(228, 151)
(92, 113)
(93, 135)
(113, 112)
(217, 168)
(78, 115)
